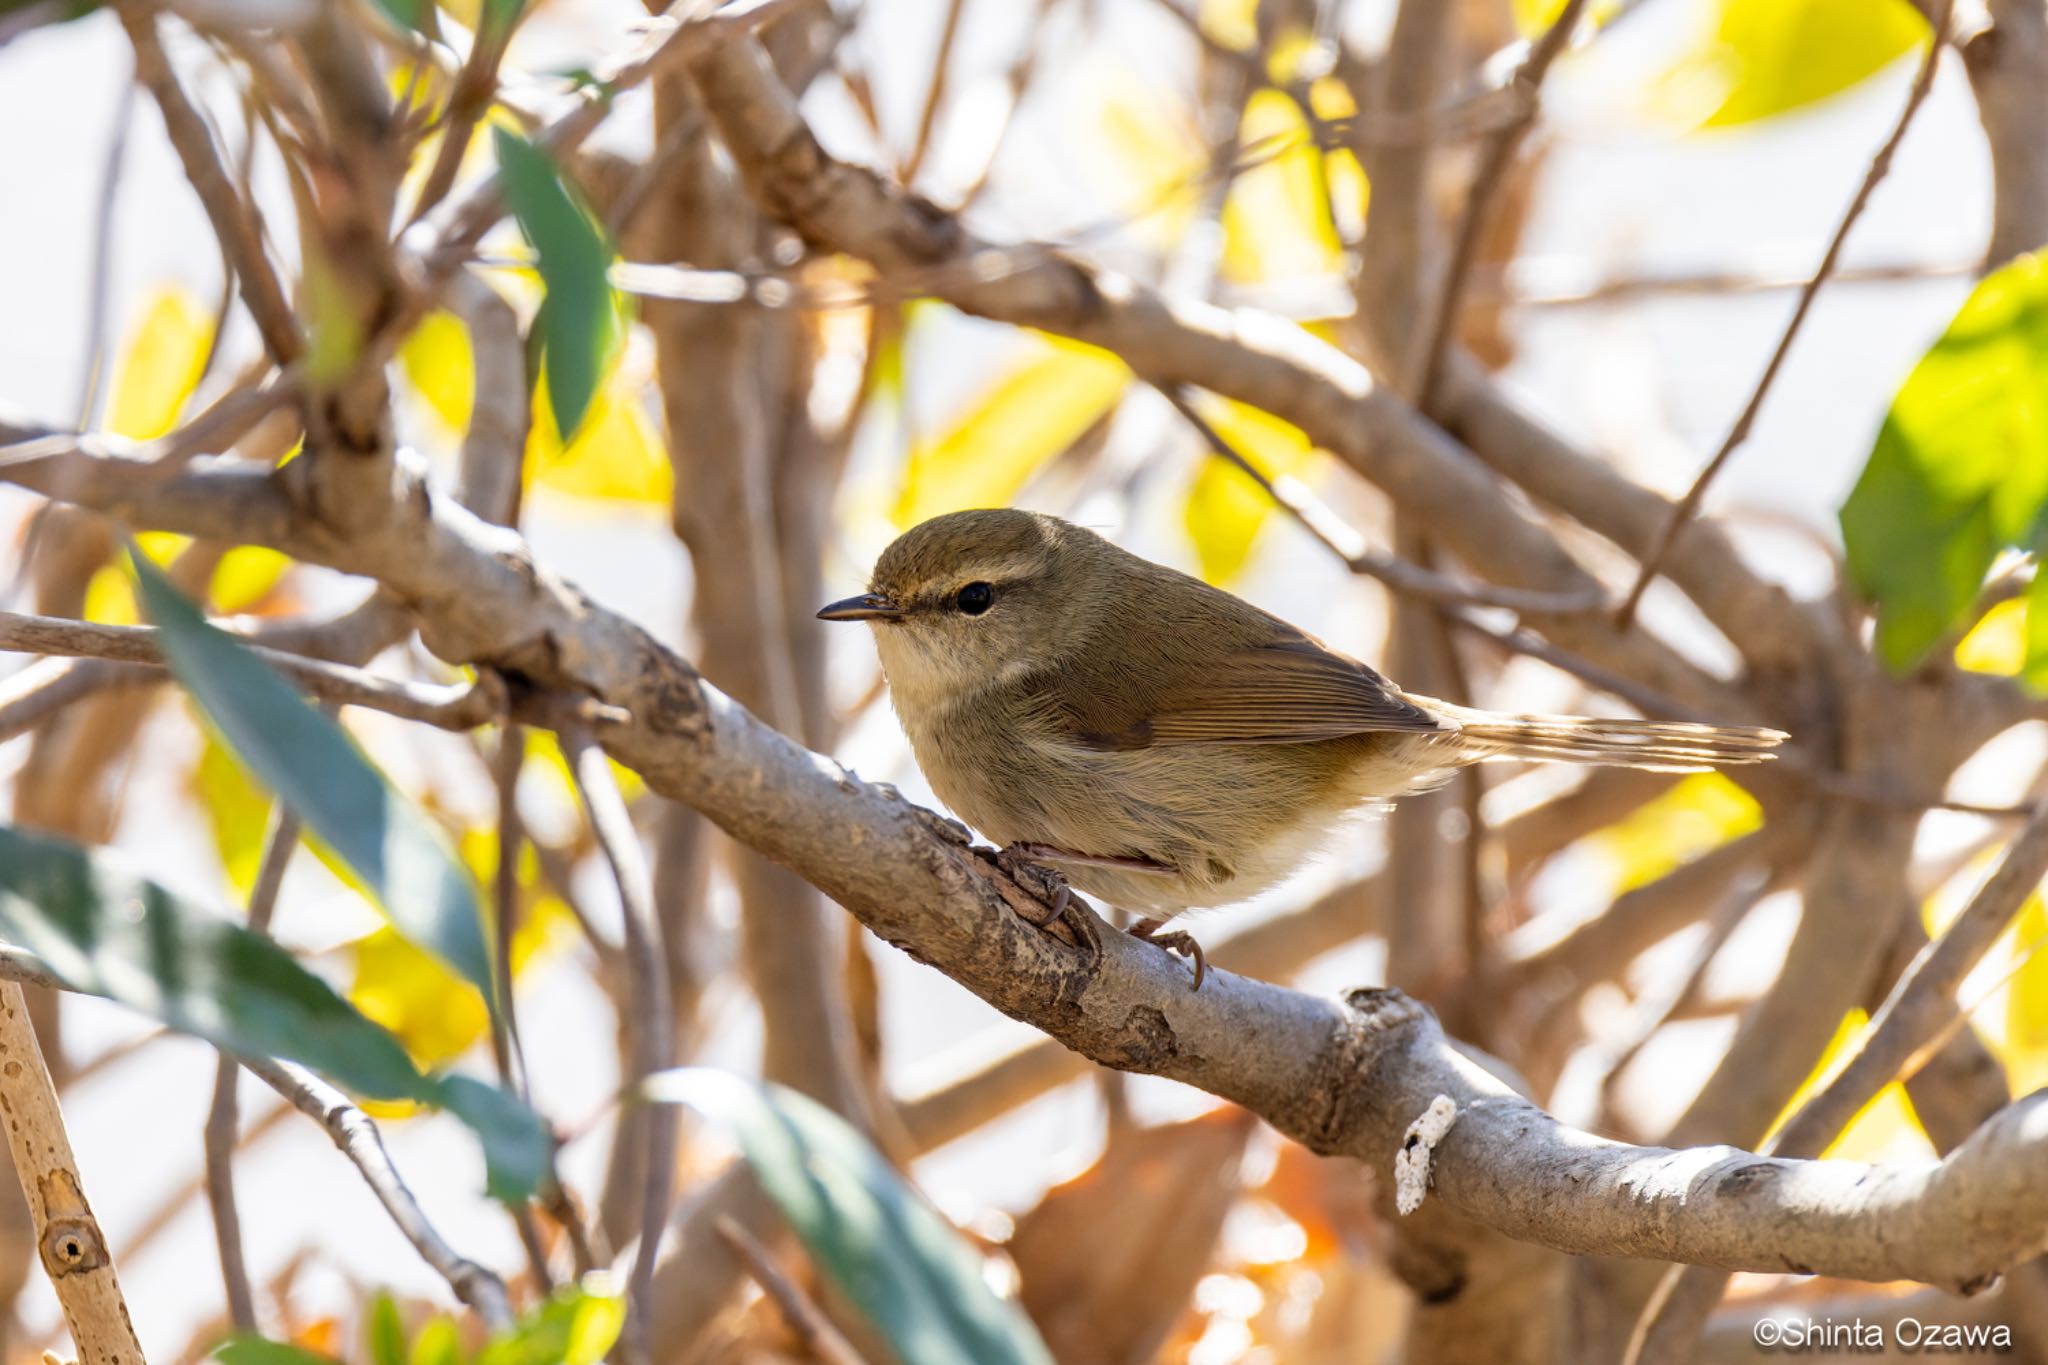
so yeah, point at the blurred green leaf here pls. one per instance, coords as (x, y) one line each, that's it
(1768, 57)
(1959, 471)
(579, 324)
(315, 769)
(105, 931)
(439, 1343)
(905, 1267)
(575, 1325)
(386, 1331)
(255, 1350)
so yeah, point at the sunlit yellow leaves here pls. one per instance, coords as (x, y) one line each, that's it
(1998, 642)
(1233, 23)
(245, 577)
(1225, 510)
(1886, 1129)
(237, 812)
(161, 362)
(436, 1014)
(441, 367)
(1698, 814)
(1767, 57)
(2023, 1043)
(1276, 218)
(617, 454)
(1031, 412)
(1154, 158)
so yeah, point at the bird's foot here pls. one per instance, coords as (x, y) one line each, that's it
(1040, 895)
(1174, 941)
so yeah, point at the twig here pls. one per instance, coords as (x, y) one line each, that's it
(1880, 165)
(820, 1338)
(1349, 545)
(652, 1027)
(1486, 184)
(91, 384)
(356, 1135)
(68, 1238)
(935, 92)
(234, 221)
(47, 686)
(1907, 1028)
(455, 707)
(223, 1116)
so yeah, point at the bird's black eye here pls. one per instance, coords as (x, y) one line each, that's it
(975, 598)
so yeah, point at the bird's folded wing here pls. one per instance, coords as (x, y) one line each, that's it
(1288, 691)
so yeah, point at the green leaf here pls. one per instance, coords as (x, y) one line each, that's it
(575, 1326)
(580, 323)
(1959, 471)
(255, 1350)
(386, 1331)
(439, 1343)
(879, 1242)
(1768, 57)
(103, 930)
(316, 770)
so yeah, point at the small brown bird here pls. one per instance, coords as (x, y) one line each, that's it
(1158, 742)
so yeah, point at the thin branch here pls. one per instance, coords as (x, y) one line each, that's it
(34, 694)
(234, 221)
(223, 1115)
(935, 92)
(454, 707)
(356, 1135)
(820, 1339)
(1880, 165)
(652, 1027)
(1351, 546)
(1908, 1028)
(92, 385)
(1494, 164)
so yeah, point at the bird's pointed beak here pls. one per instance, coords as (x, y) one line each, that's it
(869, 606)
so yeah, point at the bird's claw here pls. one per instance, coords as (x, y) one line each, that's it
(1040, 895)
(1174, 941)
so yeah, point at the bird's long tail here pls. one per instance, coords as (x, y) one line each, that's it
(1661, 746)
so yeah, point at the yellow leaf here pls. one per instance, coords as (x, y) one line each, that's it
(237, 811)
(161, 362)
(1233, 23)
(1998, 643)
(1225, 510)
(599, 1318)
(245, 576)
(617, 454)
(1700, 813)
(1030, 414)
(545, 921)
(1768, 57)
(441, 368)
(1155, 159)
(1885, 1129)
(1276, 218)
(2023, 1046)
(109, 598)
(435, 1013)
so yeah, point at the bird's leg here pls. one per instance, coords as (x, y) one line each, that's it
(1175, 941)
(1054, 898)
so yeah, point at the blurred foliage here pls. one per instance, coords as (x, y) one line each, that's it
(888, 1251)
(1885, 1129)
(104, 931)
(1225, 510)
(1277, 216)
(1031, 412)
(576, 1325)
(161, 362)
(1959, 473)
(1763, 58)
(316, 769)
(1698, 814)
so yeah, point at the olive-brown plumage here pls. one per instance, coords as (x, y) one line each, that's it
(1061, 692)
